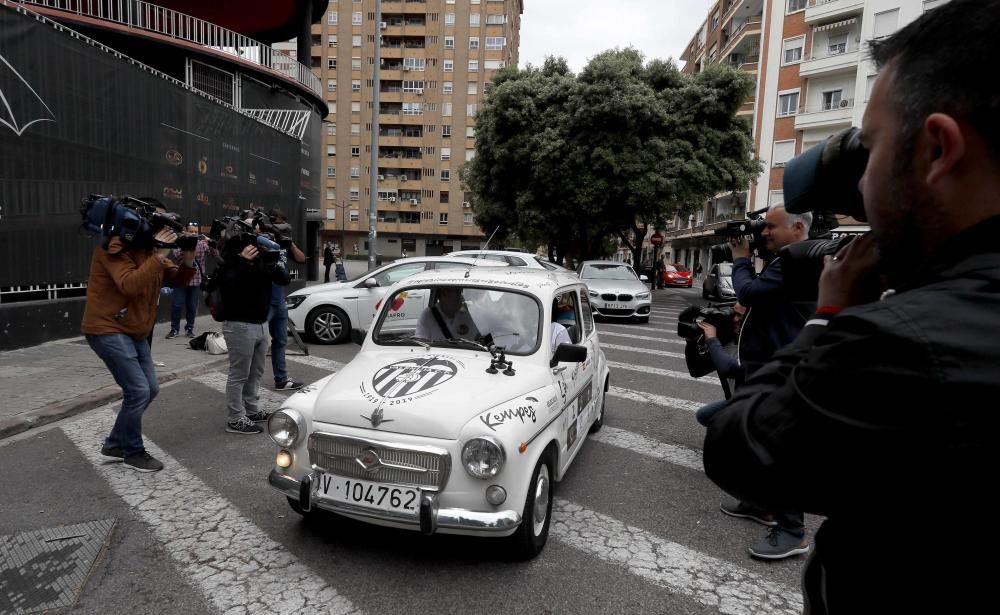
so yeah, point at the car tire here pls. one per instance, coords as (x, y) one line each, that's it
(328, 325)
(599, 421)
(530, 538)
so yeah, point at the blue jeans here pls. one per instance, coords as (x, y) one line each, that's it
(186, 300)
(277, 325)
(131, 365)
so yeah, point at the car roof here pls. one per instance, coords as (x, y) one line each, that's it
(539, 282)
(499, 252)
(604, 262)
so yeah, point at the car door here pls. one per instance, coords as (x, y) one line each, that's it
(575, 380)
(712, 281)
(369, 296)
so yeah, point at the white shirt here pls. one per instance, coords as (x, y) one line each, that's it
(559, 336)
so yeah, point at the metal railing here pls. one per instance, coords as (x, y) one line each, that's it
(292, 122)
(174, 24)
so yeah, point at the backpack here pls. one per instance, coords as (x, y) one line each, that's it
(213, 293)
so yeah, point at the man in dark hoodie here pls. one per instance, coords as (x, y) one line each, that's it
(882, 413)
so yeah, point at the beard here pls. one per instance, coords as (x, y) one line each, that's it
(902, 221)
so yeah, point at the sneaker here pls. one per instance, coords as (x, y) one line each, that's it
(742, 510)
(779, 544)
(243, 426)
(143, 462)
(288, 385)
(113, 451)
(189, 333)
(172, 334)
(159, 364)
(259, 417)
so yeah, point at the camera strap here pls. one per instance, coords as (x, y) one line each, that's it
(440, 321)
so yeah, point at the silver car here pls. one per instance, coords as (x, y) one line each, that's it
(718, 283)
(615, 290)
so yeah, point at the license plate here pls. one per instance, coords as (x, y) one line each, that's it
(379, 496)
(616, 306)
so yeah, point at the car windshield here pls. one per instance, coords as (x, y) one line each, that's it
(460, 317)
(608, 272)
(726, 270)
(680, 268)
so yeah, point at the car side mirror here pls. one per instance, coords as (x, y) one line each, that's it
(569, 353)
(358, 336)
(371, 283)
(643, 278)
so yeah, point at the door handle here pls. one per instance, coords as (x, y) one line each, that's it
(558, 370)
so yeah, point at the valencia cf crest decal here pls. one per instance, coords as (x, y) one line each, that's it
(413, 376)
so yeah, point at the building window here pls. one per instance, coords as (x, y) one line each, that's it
(331, 63)
(775, 196)
(418, 64)
(471, 108)
(355, 171)
(473, 88)
(443, 218)
(467, 219)
(331, 85)
(445, 175)
(448, 87)
(792, 50)
(446, 109)
(331, 214)
(783, 152)
(332, 40)
(355, 85)
(413, 108)
(449, 66)
(331, 129)
(331, 18)
(413, 86)
(470, 154)
(473, 66)
(355, 63)
(355, 151)
(449, 42)
(449, 19)
(331, 194)
(495, 20)
(356, 40)
(355, 19)
(869, 85)
(832, 99)
(473, 42)
(355, 129)
(494, 43)
(331, 171)
(796, 5)
(788, 104)
(470, 132)
(331, 150)
(446, 130)
(473, 19)
(445, 153)
(355, 107)
(444, 197)
(494, 64)
(355, 214)
(837, 44)
(715, 21)
(886, 23)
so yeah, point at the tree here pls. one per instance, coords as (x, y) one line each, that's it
(570, 160)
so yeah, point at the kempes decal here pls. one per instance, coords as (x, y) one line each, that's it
(495, 419)
(412, 376)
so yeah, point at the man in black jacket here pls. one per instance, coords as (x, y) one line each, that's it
(882, 413)
(246, 292)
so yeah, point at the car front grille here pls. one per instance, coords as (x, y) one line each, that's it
(609, 297)
(426, 468)
(608, 312)
(624, 297)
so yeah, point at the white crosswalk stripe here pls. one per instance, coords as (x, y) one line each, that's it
(269, 400)
(654, 399)
(659, 353)
(669, 373)
(647, 328)
(677, 455)
(237, 567)
(604, 333)
(708, 580)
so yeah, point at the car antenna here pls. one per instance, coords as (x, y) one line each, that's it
(482, 251)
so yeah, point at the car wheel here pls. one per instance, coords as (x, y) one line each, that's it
(599, 421)
(328, 325)
(529, 539)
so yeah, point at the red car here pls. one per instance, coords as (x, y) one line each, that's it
(676, 274)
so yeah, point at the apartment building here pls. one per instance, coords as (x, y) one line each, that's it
(437, 59)
(813, 80)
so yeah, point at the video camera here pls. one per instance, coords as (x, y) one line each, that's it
(134, 221)
(252, 227)
(751, 228)
(823, 179)
(719, 316)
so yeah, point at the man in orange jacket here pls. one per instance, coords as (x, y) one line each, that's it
(122, 290)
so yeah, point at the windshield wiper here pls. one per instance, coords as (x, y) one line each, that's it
(455, 341)
(407, 339)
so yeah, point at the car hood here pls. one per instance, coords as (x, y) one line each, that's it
(616, 286)
(321, 288)
(421, 392)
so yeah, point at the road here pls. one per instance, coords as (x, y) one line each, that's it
(636, 524)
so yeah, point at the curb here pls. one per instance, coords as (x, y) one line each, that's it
(89, 401)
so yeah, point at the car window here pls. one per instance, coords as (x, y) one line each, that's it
(547, 265)
(608, 271)
(565, 312)
(725, 269)
(588, 315)
(680, 268)
(447, 265)
(517, 262)
(669, 268)
(394, 274)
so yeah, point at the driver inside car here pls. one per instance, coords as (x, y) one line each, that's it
(447, 317)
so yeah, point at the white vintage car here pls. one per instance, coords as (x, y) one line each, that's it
(456, 417)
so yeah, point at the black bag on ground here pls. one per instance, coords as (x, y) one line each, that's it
(198, 343)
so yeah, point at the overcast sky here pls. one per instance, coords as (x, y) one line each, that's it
(580, 29)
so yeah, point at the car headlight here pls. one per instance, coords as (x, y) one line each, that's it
(642, 296)
(283, 427)
(483, 457)
(294, 301)
(592, 293)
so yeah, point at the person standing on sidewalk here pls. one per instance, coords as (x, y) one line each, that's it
(186, 299)
(122, 292)
(245, 283)
(277, 318)
(327, 261)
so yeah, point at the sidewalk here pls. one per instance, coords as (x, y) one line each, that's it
(52, 381)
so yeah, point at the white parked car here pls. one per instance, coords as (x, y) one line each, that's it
(615, 290)
(326, 313)
(514, 259)
(456, 417)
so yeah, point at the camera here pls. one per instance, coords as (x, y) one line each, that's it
(735, 229)
(251, 228)
(134, 221)
(190, 242)
(719, 316)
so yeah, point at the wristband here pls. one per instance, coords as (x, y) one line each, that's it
(829, 309)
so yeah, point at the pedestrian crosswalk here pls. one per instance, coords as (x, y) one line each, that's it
(240, 566)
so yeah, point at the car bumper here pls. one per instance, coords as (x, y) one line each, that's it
(678, 283)
(298, 317)
(431, 519)
(631, 311)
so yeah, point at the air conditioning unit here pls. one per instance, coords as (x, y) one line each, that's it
(406, 68)
(413, 202)
(466, 205)
(402, 178)
(392, 199)
(381, 177)
(420, 92)
(383, 25)
(844, 103)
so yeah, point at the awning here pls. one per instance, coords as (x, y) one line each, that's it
(836, 24)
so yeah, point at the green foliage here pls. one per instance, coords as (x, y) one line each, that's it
(567, 160)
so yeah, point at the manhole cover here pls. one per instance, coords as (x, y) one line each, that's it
(46, 569)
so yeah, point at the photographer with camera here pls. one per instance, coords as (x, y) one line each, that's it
(277, 319)
(186, 299)
(772, 321)
(122, 292)
(252, 264)
(883, 400)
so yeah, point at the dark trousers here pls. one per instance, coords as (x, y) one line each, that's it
(326, 276)
(186, 301)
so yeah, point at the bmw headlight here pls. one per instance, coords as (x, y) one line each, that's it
(283, 427)
(483, 457)
(294, 301)
(592, 293)
(642, 296)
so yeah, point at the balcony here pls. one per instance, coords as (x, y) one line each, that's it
(388, 117)
(747, 108)
(749, 30)
(823, 10)
(827, 63)
(826, 116)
